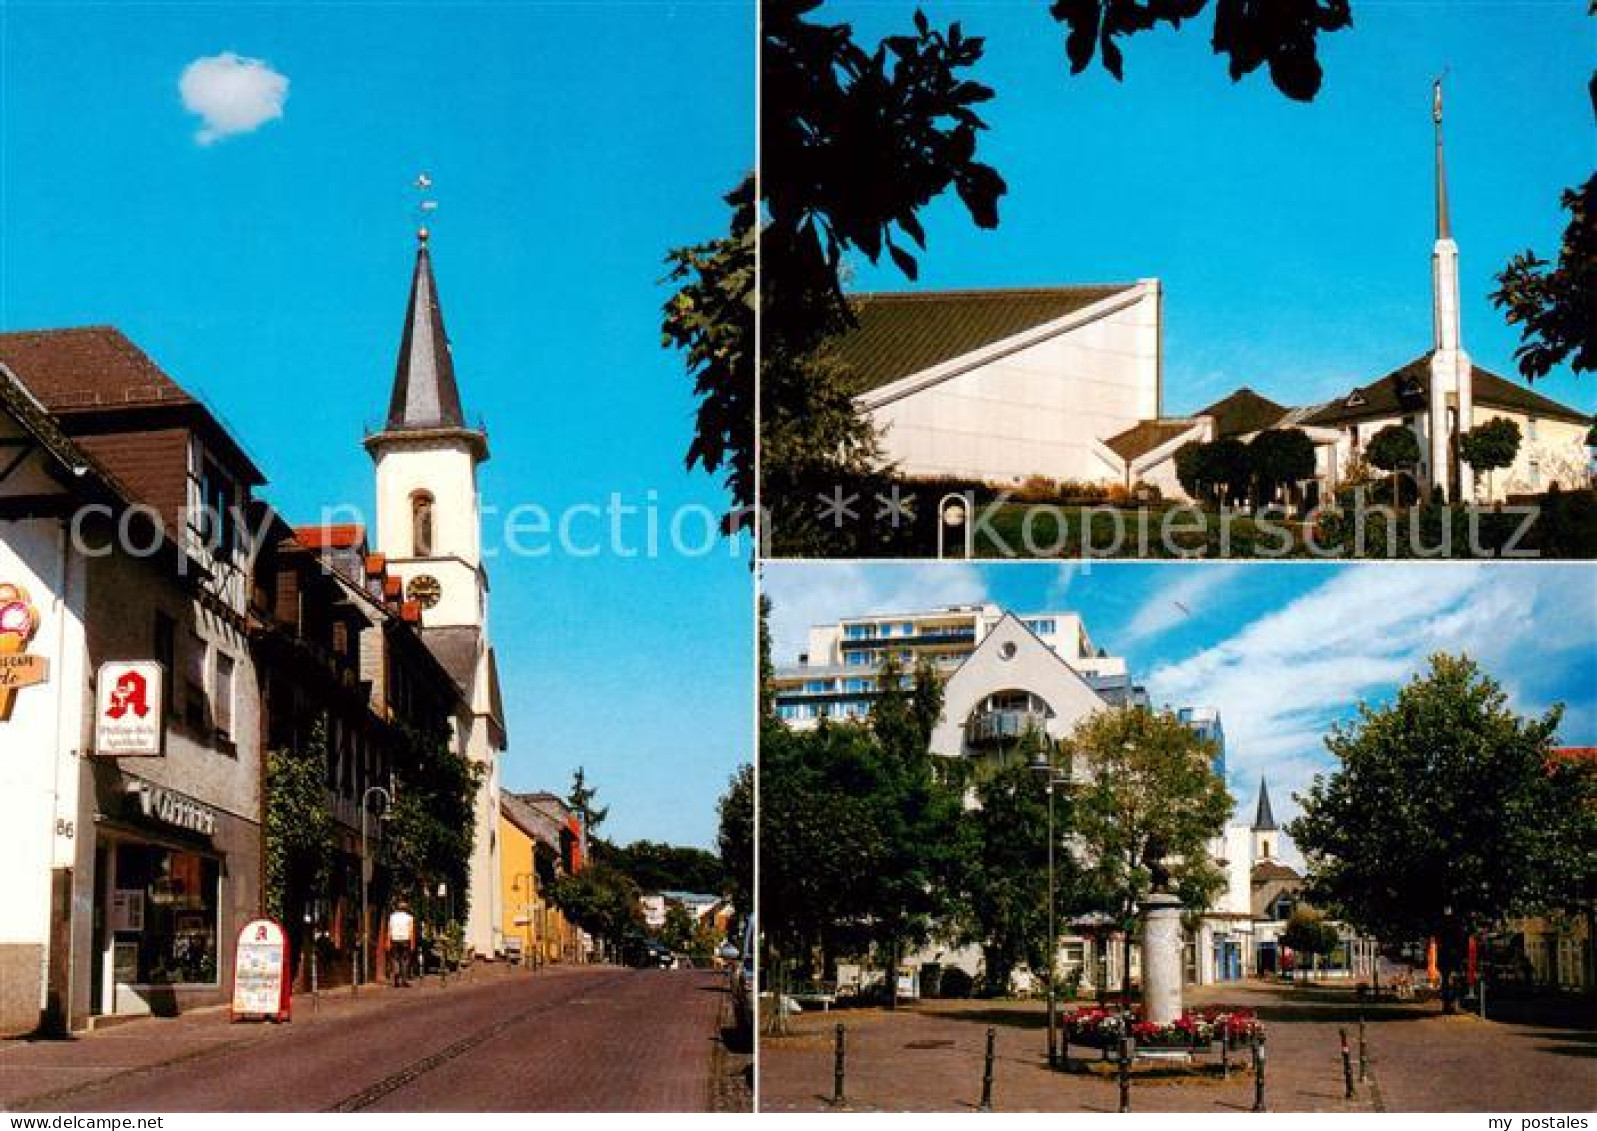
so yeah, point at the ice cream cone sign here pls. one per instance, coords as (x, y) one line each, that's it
(19, 620)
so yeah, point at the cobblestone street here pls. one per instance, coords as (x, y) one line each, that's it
(929, 1058)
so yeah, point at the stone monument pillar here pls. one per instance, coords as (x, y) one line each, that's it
(1161, 958)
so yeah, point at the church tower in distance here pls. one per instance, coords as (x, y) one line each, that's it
(429, 527)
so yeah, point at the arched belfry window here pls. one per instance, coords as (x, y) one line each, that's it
(421, 524)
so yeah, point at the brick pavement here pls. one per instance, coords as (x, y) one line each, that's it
(565, 1038)
(929, 1058)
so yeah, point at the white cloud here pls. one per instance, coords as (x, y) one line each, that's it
(806, 595)
(1170, 604)
(1282, 680)
(231, 94)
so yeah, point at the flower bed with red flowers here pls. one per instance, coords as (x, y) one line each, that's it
(1102, 1028)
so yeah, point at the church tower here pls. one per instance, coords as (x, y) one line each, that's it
(429, 528)
(1266, 833)
(1451, 400)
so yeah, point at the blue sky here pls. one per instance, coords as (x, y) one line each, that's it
(570, 146)
(1282, 650)
(1293, 240)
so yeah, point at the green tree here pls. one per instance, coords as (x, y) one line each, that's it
(431, 829)
(1436, 823)
(602, 901)
(1490, 446)
(735, 838)
(1392, 449)
(1003, 890)
(1196, 471)
(1552, 305)
(711, 318)
(299, 830)
(1307, 932)
(581, 799)
(1151, 804)
(918, 812)
(655, 866)
(1281, 35)
(1280, 457)
(677, 930)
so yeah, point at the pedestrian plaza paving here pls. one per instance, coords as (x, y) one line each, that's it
(929, 1057)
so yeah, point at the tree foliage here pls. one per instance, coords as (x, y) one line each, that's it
(1151, 803)
(655, 866)
(602, 900)
(735, 838)
(711, 317)
(1552, 304)
(431, 828)
(1308, 933)
(1280, 457)
(581, 802)
(1393, 447)
(859, 835)
(1490, 446)
(1281, 35)
(1439, 820)
(299, 828)
(1003, 890)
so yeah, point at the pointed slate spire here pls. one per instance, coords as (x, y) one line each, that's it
(425, 394)
(1263, 819)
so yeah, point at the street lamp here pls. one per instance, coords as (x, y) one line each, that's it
(1043, 765)
(365, 913)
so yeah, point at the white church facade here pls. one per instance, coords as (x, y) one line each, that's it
(1065, 384)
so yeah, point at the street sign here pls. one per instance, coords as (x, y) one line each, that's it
(262, 977)
(128, 706)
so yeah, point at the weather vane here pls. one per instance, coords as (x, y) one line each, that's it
(424, 205)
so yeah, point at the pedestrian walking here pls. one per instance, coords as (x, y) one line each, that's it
(401, 943)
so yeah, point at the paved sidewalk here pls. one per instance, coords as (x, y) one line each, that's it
(929, 1058)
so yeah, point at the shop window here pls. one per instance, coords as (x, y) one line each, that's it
(164, 916)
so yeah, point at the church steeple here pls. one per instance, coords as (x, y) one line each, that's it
(1265, 831)
(1451, 394)
(1444, 228)
(425, 394)
(1263, 819)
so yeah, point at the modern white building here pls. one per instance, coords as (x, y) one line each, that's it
(1065, 384)
(429, 530)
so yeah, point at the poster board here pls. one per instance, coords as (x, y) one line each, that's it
(262, 976)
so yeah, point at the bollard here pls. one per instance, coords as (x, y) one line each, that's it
(837, 1070)
(1225, 1051)
(1364, 1055)
(1125, 1073)
(1347, 1065)
(1258, 1075)
(1065, 1036)
(987, 1073)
